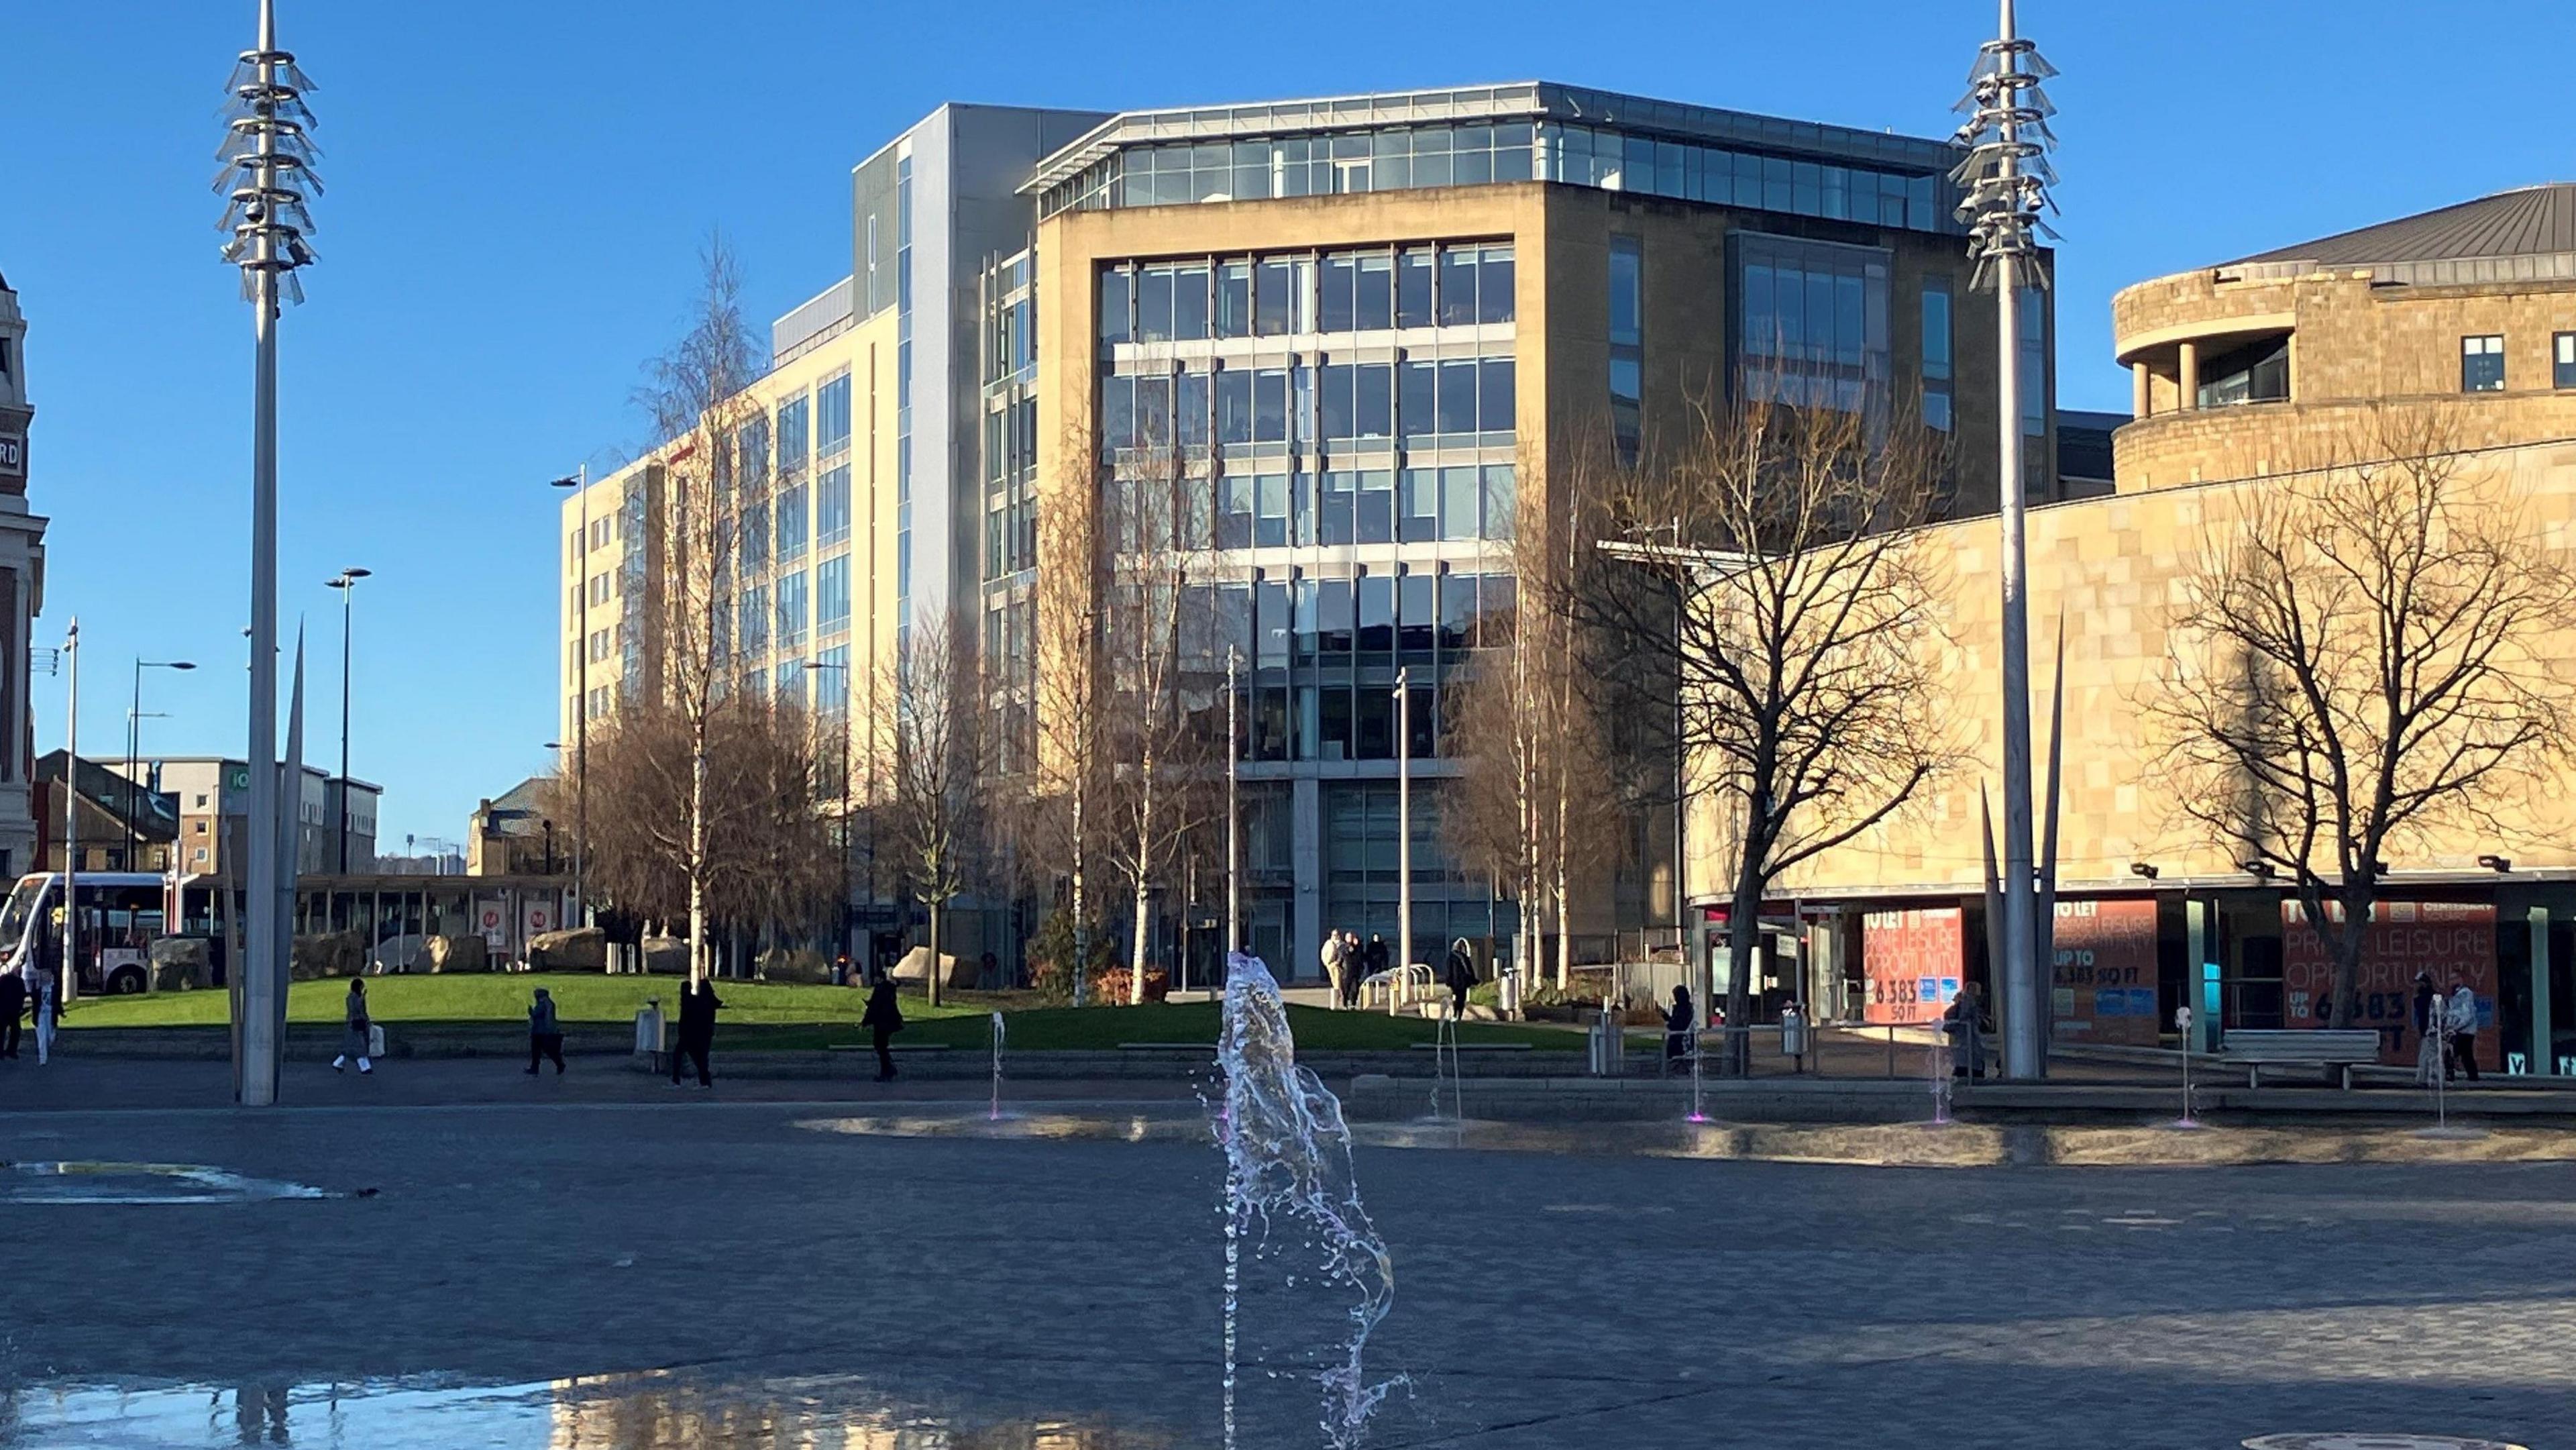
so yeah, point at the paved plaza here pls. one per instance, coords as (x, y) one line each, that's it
(687, 1271)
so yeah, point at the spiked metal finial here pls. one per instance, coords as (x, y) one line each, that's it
(267, 176)
(2006, 176)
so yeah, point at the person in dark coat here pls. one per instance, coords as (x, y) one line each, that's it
(2428, 1009)
(1679, 1025)
(1964, 1023)
(545, 1033)
(1373, 960)
(698, 1004)
(1461, 977)
(13, 1005)
(883, 1019)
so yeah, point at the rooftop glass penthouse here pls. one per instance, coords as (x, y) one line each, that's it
(1530, 131)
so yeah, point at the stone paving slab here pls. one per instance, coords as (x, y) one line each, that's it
(767, 1276)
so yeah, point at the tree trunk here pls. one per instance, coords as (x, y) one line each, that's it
(935, 982)
(1081, 922)
(1743, 932)
(698, 855)
(1144, 884)
(2348, 945)
(1136, 948)
(1564, 935)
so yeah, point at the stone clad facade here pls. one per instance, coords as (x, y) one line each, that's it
(2245, 376)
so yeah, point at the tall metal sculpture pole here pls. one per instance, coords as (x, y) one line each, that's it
(267, 175)
(2006, 177)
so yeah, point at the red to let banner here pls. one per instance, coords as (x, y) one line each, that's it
(1913, 960)
(2105, 972)
(2435, 938)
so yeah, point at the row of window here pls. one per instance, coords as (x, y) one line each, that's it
(789, 604)
(1417, 400)
(1370, 290)
(1283, 510)
(1402, 158)
(805, 427)
(2482, 362)
(780, 528)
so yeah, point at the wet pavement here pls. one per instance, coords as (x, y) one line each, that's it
(687, 1271)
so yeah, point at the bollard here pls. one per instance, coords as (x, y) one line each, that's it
(648, 1033)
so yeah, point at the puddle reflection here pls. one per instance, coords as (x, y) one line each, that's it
(619, 1412)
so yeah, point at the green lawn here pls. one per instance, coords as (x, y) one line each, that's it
(497, 997)
(785, 1017)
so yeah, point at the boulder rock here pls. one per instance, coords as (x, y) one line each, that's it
(181, 963)
(915, 968)
(462, 953)
(580, 949)
(666, 956)
(326, 954)
(798, 964)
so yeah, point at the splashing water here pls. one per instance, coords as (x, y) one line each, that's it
(1289, 1153)
(1698, 1113)
(997, 1067)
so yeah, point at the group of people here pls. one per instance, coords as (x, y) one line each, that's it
(2446, 1029)
(22, 997)
(1347, 963)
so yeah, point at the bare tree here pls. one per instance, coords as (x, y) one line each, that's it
(769, 869)
(1769, 574)
(2357, 659)
(1068, 775)
(1156, 519)
(934, 787)
(697, 397)
(1528, 805)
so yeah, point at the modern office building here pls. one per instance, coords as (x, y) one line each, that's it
(2460, 322)
(22, 590)
(1371, 323)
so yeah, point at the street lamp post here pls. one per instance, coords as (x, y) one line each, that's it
(1403, 825)
(579, 483)
(347, 583)
(71, 820)
(842, 729)
(2006, 176)
(134, 749)
(267, 175)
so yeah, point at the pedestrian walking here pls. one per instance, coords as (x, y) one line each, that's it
(13, 1009)
(1373, 961)
(1354, 966)
(883, 1019)
(545, 1033)
(45, 1004)
(1333, 964)
(1681, 1026)
(357, 1043)
(698, 1004)
(1461, 976)
(1964, 1024)
(2460, 1020)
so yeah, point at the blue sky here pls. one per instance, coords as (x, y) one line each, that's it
(517, 192)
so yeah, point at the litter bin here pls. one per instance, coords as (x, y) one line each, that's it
(1507, 994)
(648, 1033)
(1793, 1033)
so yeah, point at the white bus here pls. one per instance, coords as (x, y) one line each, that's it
(121, 913)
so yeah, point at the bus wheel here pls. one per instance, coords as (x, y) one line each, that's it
(127, 982)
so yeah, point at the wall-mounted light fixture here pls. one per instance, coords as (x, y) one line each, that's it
(2142, 870)
(2496, 863)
